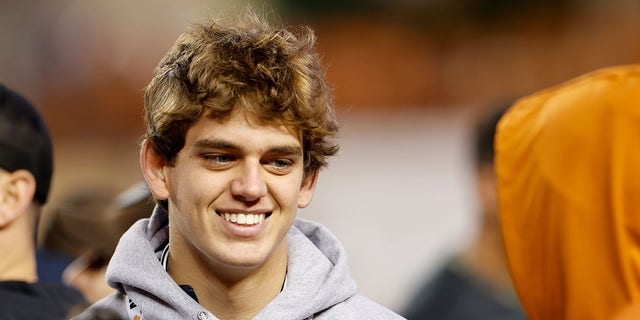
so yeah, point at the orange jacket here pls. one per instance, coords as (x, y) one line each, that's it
(568, 168)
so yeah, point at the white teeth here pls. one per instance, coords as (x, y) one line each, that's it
(242, 218)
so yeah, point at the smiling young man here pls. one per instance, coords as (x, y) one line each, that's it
(239, 122)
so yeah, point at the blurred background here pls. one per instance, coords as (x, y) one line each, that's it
(409, 77)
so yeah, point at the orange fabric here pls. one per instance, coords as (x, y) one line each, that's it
(568, 168)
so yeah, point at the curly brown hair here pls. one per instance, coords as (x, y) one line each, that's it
(217, 68)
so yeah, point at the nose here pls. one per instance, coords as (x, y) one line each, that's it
(249, 184)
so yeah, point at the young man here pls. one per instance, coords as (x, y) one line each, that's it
(239, 122)
(26, 163)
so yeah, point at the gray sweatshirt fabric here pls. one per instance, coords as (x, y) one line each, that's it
(318, 282)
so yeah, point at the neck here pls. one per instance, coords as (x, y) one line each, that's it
(486, 258)
(17, 249)
(232, 293)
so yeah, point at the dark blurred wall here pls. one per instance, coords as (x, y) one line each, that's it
(421, 54)
(92, 60)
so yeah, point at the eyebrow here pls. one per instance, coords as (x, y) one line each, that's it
(215, 144)
(227, 145)
(286, 150)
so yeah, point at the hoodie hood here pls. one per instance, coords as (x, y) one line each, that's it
(568, 168)
(317, 274)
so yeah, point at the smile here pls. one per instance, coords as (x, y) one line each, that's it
(244, 218)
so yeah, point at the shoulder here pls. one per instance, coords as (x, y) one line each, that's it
(24, 300)
(358, 307)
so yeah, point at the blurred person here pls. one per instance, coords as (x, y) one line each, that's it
(475, 283)
(93, 247)
(568, 173)
(239, 123)
(87, 272)
(26, 165)
(71, 227)
(87, 226)
(75, 223)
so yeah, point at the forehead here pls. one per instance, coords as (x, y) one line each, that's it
(242, 125)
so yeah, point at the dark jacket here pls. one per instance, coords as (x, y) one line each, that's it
(20, 300)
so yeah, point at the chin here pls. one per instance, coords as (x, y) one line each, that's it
(244, 262)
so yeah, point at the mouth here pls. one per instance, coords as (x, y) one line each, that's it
(244, 219)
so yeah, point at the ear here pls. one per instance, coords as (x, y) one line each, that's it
(153, 166)
(17, 190)
(307, 188)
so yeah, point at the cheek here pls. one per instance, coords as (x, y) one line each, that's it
(199, 189)
(186, 186)
(287, 192)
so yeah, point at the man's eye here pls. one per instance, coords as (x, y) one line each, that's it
(218, 158)
(281, 164)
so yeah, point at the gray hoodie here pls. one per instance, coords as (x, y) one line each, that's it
(318, 282)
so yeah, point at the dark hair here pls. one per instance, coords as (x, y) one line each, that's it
(485, 131)
(25, 141)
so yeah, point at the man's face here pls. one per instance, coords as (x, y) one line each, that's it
(234, 191)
